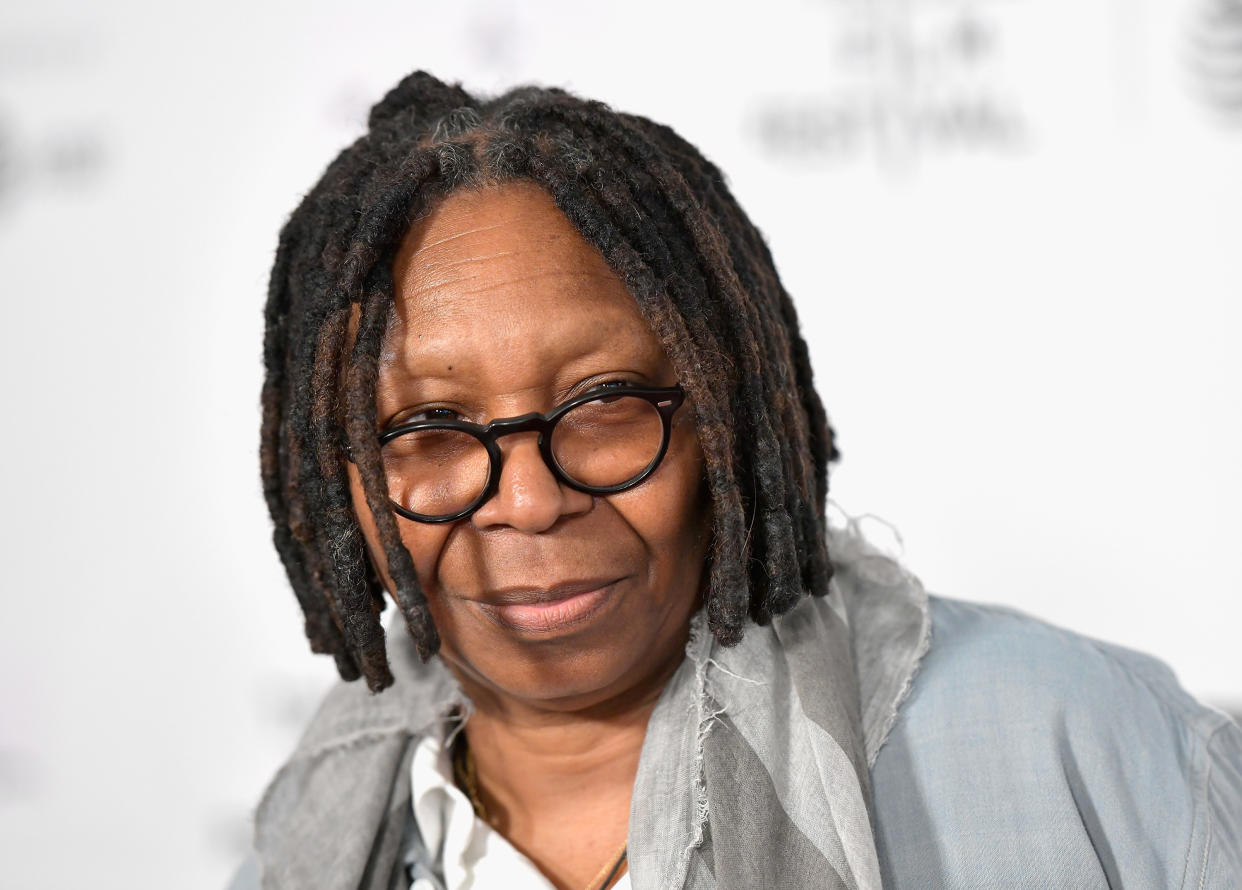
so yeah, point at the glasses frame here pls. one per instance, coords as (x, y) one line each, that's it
(666, 400)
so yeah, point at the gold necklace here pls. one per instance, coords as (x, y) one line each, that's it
(605, 875)
(467, 776)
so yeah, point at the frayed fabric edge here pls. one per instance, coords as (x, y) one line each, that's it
(851, 547)
(698, 649)
(914, 664)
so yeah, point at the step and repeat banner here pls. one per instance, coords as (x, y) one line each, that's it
(1010, 228)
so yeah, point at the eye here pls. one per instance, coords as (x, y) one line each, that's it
(608, 386)
(436, 414)
(419, 415)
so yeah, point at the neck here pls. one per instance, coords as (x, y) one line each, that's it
(536, 773)
(538, 765)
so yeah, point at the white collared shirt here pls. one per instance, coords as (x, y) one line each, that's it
(475, 856)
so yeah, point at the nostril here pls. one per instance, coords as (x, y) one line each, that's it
(529, 496)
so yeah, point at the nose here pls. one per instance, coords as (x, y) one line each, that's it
(528, 497)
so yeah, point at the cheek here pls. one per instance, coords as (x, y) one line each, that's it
(671, 513)
(424, 542)
(693, 500)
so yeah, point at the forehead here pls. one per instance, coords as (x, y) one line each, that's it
(497, 273)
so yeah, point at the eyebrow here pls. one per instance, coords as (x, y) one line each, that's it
(414, 366)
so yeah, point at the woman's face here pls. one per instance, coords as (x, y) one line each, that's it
(502, 309)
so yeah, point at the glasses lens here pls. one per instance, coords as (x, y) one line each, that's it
(435, 472)
(608, 441)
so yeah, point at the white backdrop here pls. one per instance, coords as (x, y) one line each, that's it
(1010, 228)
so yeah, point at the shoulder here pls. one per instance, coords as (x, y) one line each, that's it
(998, 659)
(1080, 754)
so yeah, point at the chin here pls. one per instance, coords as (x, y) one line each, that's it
(568, 673)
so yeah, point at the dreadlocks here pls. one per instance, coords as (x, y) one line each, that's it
(663, 219)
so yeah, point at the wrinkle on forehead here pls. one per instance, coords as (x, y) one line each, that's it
(428, 305)
(492, 275)
(433, 242)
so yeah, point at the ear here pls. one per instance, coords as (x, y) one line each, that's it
(422, 96)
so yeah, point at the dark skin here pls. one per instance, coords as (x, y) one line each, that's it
(503, 309)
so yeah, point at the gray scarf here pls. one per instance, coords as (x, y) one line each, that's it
(754, 771)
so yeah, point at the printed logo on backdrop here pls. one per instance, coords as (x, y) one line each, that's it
(1214, 57)
(40, 154)
(905, 78)
(55, 159)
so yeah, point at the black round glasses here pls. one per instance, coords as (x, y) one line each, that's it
(604, 441)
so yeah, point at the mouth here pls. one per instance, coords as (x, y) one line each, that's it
(541, 611)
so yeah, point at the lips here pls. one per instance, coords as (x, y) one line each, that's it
(547, 610)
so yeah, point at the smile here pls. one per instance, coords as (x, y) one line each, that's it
(543, 611)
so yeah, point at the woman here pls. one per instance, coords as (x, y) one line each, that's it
(532, 376)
